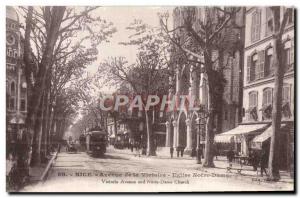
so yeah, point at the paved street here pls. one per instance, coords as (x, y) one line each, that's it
(121, 170)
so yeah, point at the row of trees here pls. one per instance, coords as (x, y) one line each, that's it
(59, 42)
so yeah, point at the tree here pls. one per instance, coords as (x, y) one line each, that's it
(148, 75)
(279, 24)
(202, 41)
(55, 54)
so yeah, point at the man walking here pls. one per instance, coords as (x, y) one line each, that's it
(171, 151)
(263, 163)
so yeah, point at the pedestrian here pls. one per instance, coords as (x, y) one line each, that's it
(230, 157)
(181, 151)
(178, 150)
(253, 157)
(137, 149)
(131, 144)
(171, 151)
(216, 152)
(193, 153)
(263, 163)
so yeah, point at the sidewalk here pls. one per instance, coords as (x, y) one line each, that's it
(36, 172)
(247, 173)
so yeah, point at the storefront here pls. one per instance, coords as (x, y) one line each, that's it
(240, 137)
(262, 141)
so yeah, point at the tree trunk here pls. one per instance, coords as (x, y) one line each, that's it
(276, 112)
(36, 96)
(278, 61)
(150, 142)
(115, 126)
(45, 127)
(36, 154)
(209, 140)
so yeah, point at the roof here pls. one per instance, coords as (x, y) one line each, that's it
(228, 136)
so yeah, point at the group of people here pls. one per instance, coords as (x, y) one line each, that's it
(259, 159)
(179, 151)
(256, 159)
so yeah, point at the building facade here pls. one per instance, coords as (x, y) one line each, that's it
(259, 79)
(258, 84)
(182, 125)
(16, 87)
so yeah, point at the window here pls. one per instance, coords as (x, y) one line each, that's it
(9, 52)
(269, 70)
(288, 55)
(23, 104)
(267, 104)
(287, 61)
(254, 66)
(286, 96)
(12, 98)
(23, 92)
(13, 88)
(252, 111)
(269, 22)
(15, 54)
(23, 98)
(252, 99)
(267, 96)
(12, 103)
(255, 27)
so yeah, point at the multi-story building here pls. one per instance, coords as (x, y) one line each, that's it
(182, 126)
(16, 87)
(258, 83)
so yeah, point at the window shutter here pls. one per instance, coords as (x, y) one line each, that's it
(292, 53)
(253, 29)
(264, 97)
(248, 68)
(258, 24)
(261, 64)
(256, 98)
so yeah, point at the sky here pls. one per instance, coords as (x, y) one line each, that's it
(121, 17)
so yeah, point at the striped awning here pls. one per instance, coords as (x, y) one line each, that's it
(265, 135)
(229, 136)
(224, 138)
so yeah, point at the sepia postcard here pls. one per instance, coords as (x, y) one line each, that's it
(150, 99)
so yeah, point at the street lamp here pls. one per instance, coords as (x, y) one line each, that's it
(201, 124)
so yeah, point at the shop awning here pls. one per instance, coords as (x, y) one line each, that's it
(160, 132)
(228, 136)
(224, 138)
(265, 135)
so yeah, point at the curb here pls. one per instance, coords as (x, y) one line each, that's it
(45, 173)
